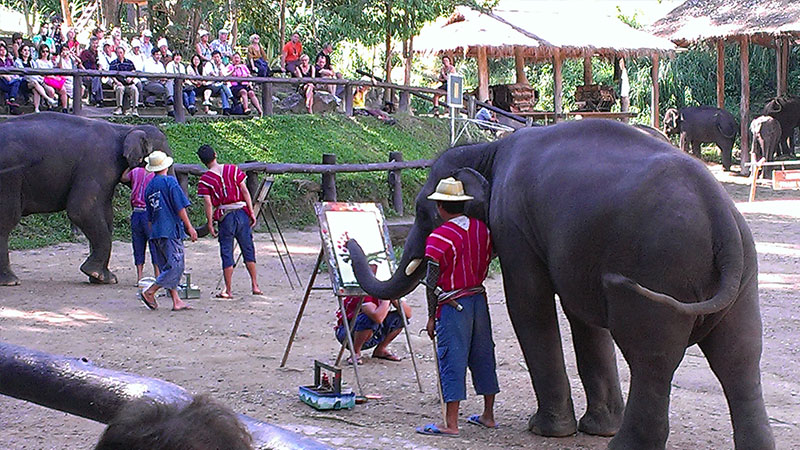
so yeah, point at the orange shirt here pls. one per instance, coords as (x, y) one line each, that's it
(293, 51)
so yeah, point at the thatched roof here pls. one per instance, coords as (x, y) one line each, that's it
(537, 33)
(699, 20)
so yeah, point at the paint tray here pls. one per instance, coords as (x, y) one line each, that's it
(323, 394)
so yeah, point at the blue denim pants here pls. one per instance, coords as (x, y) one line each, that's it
(393, 321)
(140, 235)
(168, 256)
(465, 340)
(236, 224)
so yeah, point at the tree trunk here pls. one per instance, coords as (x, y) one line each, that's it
(28, 21)
(387, 68)
(111, 12)
(282, 26)
(408, 54)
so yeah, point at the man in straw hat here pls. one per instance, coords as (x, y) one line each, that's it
(458, 254)
(166, 209)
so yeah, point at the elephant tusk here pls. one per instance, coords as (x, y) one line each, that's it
(412, 266)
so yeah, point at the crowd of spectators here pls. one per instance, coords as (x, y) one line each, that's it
(56, 47)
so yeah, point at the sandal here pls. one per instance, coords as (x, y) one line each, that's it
(432, 430)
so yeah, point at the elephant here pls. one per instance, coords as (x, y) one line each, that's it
(786, 110)
(766, 132)
(643, 247)
(702, 124)
(655, 132)
(52, 162)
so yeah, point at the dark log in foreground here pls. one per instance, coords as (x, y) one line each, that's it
(79, 387)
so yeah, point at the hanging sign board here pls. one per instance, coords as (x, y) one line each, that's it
(364, 222)
(455, 90)
(786, 179)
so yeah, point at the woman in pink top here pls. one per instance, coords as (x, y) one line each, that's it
(242, 89)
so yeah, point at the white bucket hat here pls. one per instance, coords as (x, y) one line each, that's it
(136, 43)
(202, 33)
(450, 190)
(162, 43)
(157, 161)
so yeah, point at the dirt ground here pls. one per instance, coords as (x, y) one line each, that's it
(232, 348)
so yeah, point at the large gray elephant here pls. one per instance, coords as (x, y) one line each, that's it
(766, 132)
(786, 110)
(642, 246)
(53, 162)
(703, 124)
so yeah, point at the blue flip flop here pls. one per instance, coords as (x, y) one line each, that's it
(432, 430)
(475, 419)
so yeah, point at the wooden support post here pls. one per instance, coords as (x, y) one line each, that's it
(519, 65)
(348, 100)
(328, 179)
(395, 184)
(720, 74)
(483, 74)
(183, 181)
(781, 66)
(654, 110)
(744, 109)
(77, 88)
(266, 98)
(405, 102)
(557, 85)
(587, 69)
(785, 65)
(471, 106)
(252, 183)
(177, 101)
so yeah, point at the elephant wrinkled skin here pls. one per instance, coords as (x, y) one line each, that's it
(702, 124)
(53, 162)
(786, 110)
(644, 249)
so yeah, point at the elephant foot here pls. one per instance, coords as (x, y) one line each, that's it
(600, 423)
(98, 275)
(549, 425)
(628, 442)
(7, 278)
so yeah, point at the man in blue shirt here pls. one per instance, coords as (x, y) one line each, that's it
(166, 210)
(124, 85)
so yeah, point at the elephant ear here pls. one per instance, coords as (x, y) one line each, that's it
(476, 186)
(135, 147)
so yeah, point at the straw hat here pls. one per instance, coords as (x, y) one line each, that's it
(450, 190)
(157, 161)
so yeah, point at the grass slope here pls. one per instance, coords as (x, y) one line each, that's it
(287, 138)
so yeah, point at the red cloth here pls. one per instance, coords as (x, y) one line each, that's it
(463, 254)
(223, 190)
(139, 179)
(293, 51)
(350, 305)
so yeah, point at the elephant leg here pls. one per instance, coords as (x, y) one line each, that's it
(696, 149)
(10, 204)
(726, 150)
(597, 367)
(530, 299)
(733, 350)
(684, 143)
(92, 219)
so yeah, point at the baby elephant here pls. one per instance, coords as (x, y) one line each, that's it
(766, 135)
(701, 124)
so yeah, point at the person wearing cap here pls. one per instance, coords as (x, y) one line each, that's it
(290, 55)
(203, 48)
(10, 84)
(457, 255)
(147, 44)
(227, 201)
(166, 54)
(222, 45)
(166, 211)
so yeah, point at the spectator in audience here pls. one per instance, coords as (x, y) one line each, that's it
(241, 89)
(202, 425)
(43, 37)
(68, 60)
(16, 43)
(147, 45)
(9, 84)
(35, 83)
(306, 70)
(137, 58)
(321, 72)
(166, 54)
(202, 47)
(257, 58)
(89, 59)
(124, 85)
(203, 88)
(56, 34)
(117, 40)
(485, 114)
(290, 56)
(217, 69)
(54, 82)
(326, 52)
(222, 46)
(188, 94)
(104, 61)
(72, 42)
(154, 87)
(447, 68)
(100, 34)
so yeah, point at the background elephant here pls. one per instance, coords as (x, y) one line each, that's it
(618, 251)
(703, 124)
(786, 110)
(52, 162)
(766, 133)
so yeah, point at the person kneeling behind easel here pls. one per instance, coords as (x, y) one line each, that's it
(375, 326)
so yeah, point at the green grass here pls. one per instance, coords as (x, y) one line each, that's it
(286, 138)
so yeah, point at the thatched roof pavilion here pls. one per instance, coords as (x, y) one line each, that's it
(541, 35)
(770, 23)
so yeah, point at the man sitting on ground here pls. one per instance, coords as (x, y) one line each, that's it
(375, 326)
(227, 201)
(124, 85)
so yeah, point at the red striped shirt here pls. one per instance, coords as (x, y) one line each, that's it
(139, 179)
(350, 304)
(463, 248)
(224, 189)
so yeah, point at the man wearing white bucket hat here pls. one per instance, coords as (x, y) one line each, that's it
(166, 211)
(458, 254)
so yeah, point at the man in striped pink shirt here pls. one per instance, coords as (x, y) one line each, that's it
(458, 254)
(227, 201)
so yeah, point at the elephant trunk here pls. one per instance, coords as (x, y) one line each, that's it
(403, 280)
